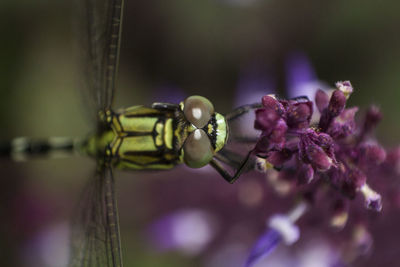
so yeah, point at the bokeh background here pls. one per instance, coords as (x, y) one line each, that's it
(178, 48)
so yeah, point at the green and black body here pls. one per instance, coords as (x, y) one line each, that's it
(140, 137)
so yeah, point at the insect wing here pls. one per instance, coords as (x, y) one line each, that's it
(240, 123)
(95, 232)
(100, 39)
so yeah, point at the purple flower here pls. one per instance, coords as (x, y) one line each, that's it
(304, 158)
(333, 150)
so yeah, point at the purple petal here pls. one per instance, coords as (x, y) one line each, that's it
(263, 247)
(299, 75)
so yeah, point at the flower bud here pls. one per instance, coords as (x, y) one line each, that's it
(270, 102)
(337, 103)
(372, 118)
(265, 119)
(373, 154)
(321, 100)
(262, 165)
(299, 115)
(372, 199)
(324, 120)
(343, 125)
(318, 158)
(345, 87)
(279, 131)
(357, 178)
(326, 142)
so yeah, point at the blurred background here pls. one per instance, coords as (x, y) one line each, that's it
(226, 50)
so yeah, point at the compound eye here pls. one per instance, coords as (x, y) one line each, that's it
(197, 149)
(198, 110)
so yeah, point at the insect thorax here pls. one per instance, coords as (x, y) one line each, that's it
(143, 138)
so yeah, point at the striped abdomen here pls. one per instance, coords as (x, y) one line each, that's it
(24, 148)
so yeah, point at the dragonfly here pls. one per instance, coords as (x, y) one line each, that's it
(136, 138)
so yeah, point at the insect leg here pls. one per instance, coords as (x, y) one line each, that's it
(231, 159)
(237, 112)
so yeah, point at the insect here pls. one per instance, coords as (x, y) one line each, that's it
(139, 137)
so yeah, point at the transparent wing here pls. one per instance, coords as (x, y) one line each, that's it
(242, 135)
(100, 41)
(95, 232)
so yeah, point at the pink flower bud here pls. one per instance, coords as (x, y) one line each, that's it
(318, 158)
(337, 103)
(321, 100)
